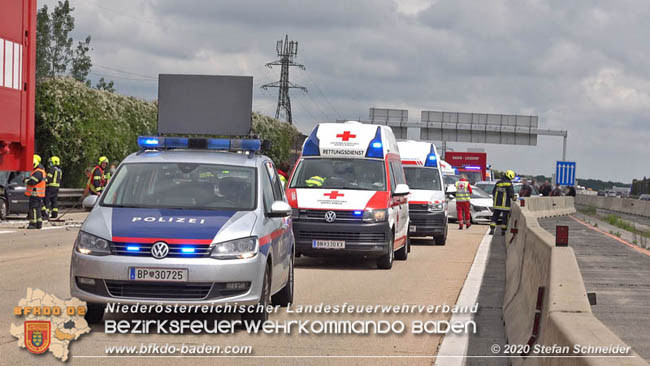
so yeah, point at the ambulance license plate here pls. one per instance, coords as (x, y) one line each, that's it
(328, 244)
(412, 228)
(157, 274)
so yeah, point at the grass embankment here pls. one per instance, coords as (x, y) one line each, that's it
(617, 221)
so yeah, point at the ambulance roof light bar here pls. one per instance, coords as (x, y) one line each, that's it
(163, 142)
(376, 147)
(311, 146)
(432, 160)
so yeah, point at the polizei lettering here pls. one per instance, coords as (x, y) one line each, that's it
(179, 220)
(343, 152)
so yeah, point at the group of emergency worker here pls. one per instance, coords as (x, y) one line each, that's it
(42, 188)
(503, 194)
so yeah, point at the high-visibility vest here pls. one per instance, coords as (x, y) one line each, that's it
(101, 178)
(54, 177)
(503, 194)
(462, 191)
(315, 181)
(37, 189)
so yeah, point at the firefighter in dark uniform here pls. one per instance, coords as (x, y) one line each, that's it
(503, 194)
(97, 177)
(54, 175)
(35, 190)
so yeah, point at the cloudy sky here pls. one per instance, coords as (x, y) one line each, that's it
(583, 66)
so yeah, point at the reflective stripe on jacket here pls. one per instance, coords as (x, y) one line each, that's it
(503, 194)
(315, 181)
(97, 180)
(462, 191)
(36, 183)
(54, 177)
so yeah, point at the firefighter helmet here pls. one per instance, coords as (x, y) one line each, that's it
(37, 160)
(102, 160)
(510, 174)
(55, 160)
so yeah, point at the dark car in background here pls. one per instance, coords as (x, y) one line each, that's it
(12, 194)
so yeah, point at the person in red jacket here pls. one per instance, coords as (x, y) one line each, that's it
(463, 195)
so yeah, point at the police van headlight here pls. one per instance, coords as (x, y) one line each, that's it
(91, 244)
(372, 215)
(235, 249)
(433, 207)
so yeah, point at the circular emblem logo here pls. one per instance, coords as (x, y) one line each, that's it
(330, 216)
(160, 250)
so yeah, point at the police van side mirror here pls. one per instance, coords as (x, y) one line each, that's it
(89, 202)
(279, 209)
(401, 190)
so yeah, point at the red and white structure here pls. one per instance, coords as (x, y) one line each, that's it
(17, 83)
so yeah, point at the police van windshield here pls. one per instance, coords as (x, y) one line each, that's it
(183, 186)
(422, 178)
(363, 174)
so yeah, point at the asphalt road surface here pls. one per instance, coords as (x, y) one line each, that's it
(432, 275)
(619, 274)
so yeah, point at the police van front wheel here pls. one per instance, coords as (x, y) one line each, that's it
(94, 313)
(260, 313)
(285, 296)
(386, 260)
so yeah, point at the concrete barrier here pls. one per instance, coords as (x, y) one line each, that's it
(545, 299)
(623, 205)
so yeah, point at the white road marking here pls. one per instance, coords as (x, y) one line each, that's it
(6, 232)
(453, 349)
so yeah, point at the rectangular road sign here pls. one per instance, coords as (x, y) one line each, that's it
(565, 173)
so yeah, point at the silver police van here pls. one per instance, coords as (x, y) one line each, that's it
(188, 221)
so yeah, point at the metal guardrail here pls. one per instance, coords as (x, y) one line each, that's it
(69, 196)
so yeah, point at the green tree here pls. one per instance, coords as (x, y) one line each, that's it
(81, 62)
(43, 40)
(55, 55)
(103, 85)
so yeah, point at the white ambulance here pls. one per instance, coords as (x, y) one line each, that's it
(427, 202)
(349, 194)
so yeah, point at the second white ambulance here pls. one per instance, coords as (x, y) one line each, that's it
(427, 204)
(349, 194)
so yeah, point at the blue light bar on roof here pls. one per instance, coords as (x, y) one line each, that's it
(376, 148)
(219, 144)
(150, 141)
(431, 161)
(162, 142)
(311, 146)
(176, 142)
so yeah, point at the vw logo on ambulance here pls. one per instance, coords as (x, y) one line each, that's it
(330, 216)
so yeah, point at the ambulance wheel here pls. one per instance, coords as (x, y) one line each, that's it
(285, 296)
(386, 260)
(440, 239)
(265, 300)
(402, 253)
(408, 243)
(94, 313)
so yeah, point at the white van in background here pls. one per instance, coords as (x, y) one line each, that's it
(427, 204)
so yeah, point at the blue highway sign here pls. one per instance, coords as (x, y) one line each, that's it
(565, 173)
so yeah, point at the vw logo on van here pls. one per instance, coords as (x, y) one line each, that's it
(330, 216)
(160, 250)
